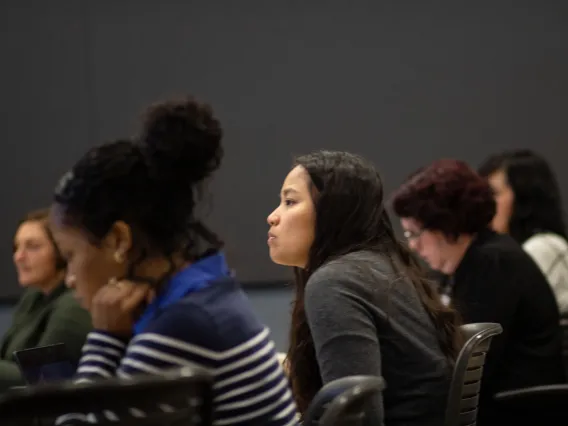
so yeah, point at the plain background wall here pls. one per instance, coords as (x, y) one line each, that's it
(402, 82)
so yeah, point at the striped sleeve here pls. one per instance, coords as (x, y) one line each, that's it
(249, 383)
(101, 356)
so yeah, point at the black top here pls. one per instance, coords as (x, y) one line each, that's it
(367, 319)
(497, 281)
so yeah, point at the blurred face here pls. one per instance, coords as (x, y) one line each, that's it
(432, 246)
(89, 266)
(504, 198)
(34, 256)
(292, 224)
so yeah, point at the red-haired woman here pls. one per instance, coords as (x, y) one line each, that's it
(445, 210)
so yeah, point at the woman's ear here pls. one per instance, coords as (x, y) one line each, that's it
(119, 239)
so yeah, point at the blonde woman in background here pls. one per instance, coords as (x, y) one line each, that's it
(46, 313)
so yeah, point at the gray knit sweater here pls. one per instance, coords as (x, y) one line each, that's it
(367, 319)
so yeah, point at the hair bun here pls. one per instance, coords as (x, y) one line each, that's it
(181, 140)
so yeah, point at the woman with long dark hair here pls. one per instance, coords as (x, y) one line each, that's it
(362, 305)
(529, 208)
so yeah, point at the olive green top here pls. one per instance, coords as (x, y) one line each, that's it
(41, 320)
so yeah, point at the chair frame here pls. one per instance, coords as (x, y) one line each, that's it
(56, 399)
(357, 389)
(536, 405)
(476, 334)
(532, 392)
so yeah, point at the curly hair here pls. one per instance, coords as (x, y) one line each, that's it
(152, 183)
(446, 196)
(350, 216)
(537, 205)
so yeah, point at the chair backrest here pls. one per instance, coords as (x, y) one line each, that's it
(463, 397)
(564, 326)
(182, 396)
(344, 401)
(535, 405)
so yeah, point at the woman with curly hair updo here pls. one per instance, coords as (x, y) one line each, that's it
(153, 275)
(446, 209)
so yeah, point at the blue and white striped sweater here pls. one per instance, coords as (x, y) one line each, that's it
(216, 329)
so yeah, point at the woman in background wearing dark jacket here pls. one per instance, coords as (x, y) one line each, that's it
(46, 313)
(445, 210)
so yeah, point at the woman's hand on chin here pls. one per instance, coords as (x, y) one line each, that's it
(117, 306)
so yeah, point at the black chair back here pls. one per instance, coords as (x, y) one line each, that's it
(468, 370)
(564, 326)
(344, 401)
(181, 397)
(537, 405)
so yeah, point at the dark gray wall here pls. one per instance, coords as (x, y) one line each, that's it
(402, 82)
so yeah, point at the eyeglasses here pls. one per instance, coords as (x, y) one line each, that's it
(412, 235)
